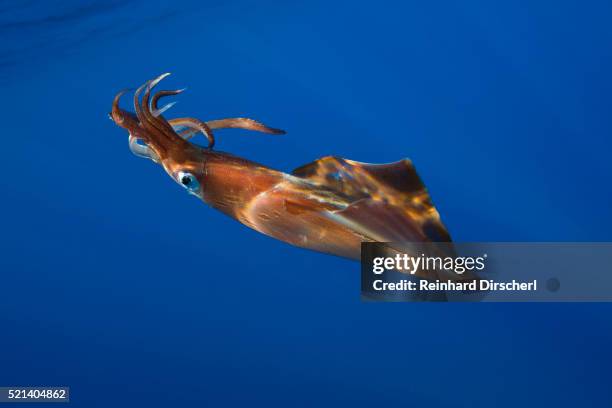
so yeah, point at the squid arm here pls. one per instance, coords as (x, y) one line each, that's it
(195, 125)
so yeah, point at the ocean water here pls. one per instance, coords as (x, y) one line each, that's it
(115, 282)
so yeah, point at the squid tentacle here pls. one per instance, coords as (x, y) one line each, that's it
(244, 123)
(161, 94)
(137, 107)
(158, 112)
(164, 135)
(141, 150)
(140, 113)
(138, 149)
(156, 122)
(116, 108)
(151, 118)
(194, 126)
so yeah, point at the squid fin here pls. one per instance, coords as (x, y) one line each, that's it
(388, 201)
(350, 176)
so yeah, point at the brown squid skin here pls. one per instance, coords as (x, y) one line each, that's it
(330, 205)
(275, 204)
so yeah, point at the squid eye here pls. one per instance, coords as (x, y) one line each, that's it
(189, 181)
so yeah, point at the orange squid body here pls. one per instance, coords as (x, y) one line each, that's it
(330, 205)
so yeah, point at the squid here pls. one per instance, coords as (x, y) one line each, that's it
(331, 205)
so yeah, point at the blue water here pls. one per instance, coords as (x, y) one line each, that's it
(118, 284)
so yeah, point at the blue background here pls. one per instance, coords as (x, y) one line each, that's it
(118, 284)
